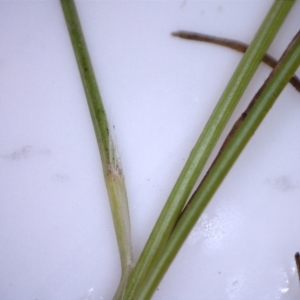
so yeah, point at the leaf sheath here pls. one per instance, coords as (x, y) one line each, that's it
(111, 166)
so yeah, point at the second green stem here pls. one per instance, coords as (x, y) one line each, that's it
(205, 145)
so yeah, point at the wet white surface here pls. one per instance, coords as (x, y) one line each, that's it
(56, 234)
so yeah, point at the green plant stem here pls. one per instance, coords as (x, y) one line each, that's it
(232, 44)
(112, 171)
(205, 144)
(234, 144)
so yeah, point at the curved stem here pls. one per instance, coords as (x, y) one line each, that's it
(111, 165)
(232, 44)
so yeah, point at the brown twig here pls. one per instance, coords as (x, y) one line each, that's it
(232, 44)
(240, 121)
(297, 259)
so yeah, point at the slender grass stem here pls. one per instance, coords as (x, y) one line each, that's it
(205, 144)
(111, 166)
(235, 143)
(232, 44)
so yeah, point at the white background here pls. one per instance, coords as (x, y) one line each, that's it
(56, 234)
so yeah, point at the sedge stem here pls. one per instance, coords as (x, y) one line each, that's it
(234, 144)
(205, 144)
(111, 166)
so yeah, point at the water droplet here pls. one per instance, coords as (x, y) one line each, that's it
(284, 290)
(211, 230)
(89, 295)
